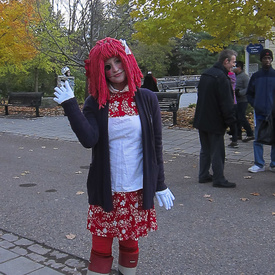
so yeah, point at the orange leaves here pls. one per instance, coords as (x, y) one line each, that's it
(252, 194)
(16, 39)
(255, 194)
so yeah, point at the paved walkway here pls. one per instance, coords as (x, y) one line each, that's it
(20, 256)
(175, 140)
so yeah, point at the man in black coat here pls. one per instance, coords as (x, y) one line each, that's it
(214, 113)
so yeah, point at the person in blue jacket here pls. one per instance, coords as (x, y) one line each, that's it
(260, 94)
(122, 124)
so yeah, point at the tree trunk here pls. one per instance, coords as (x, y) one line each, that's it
(36, 80)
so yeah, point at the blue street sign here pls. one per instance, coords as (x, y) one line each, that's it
(254, 48)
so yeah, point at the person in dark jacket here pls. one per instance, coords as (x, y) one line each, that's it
(261, 96)
(122, 124)
(240, 91)
(214, 113)
(150, 82)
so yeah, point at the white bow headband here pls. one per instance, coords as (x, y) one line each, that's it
(127, 50)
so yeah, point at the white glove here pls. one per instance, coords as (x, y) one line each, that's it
(165, 198)
(63, 93)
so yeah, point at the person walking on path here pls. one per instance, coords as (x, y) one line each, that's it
(122, 123)
(261, 96)
(214, 113)
(240, 91)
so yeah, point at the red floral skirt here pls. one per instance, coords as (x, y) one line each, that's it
(126, 221)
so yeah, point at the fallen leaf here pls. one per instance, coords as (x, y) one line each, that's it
(181, 204)
(21, 148)
(79, 192)
(78, 172)
(237, 152)
(255, 194)
(187, 177)
(244, 199)
(70, 236)
(207, 196)
(55, 148)
(31, 150)
(15, 177)
(247, 177)
(273, 213)
(211, 200)
(43, 147)
(273, 194)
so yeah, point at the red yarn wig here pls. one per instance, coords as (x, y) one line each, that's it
(95, 69)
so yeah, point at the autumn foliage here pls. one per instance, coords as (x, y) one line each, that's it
(16, 37)
(235, 21)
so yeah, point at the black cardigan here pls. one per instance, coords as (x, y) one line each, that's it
(91, 128)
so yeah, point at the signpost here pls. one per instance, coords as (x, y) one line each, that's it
(254, 48)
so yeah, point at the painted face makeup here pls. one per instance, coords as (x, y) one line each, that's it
(115, 73)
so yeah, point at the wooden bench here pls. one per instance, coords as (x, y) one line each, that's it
(171, 85)
(190, 84)
(169, 102)
(23, 99)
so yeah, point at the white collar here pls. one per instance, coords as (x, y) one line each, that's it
(115, 91)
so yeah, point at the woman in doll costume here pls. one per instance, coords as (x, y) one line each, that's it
(122, 124)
